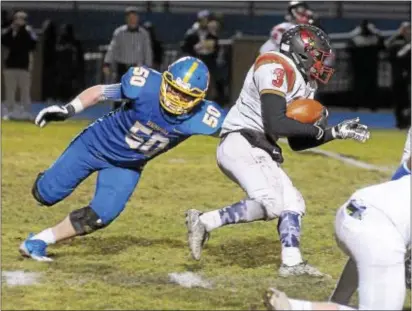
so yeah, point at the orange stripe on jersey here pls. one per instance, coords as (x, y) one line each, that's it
(270, 58)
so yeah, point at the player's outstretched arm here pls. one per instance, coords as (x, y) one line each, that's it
(84, 100)
(348, 129)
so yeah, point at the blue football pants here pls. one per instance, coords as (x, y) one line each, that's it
(114, 184)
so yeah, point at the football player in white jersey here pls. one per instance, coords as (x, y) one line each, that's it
(248, 153)
(346, 286)
(298, 13)
(407, 148)
(374, 228)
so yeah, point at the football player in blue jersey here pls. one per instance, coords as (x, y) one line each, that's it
(161, 111)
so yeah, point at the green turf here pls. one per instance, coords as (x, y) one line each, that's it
(126, 265)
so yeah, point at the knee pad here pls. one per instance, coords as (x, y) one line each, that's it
(85, 221)
(36, 194)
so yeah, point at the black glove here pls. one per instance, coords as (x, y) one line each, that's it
(351, 129)
(54, 113)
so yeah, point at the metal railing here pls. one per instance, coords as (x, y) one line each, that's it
(333, 9)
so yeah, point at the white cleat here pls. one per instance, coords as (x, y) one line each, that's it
(302, 268)
(276, 300)
(196, 233)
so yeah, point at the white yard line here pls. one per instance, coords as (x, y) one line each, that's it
(20, 278)
(347, 160)
(189, 280)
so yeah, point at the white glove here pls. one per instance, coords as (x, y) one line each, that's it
(351, 129)
(54, 113)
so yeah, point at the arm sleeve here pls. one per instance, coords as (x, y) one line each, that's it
(6, 37)
(297, 143)
(112, 92)
(108, 59)
(32, 38)
(276, 122)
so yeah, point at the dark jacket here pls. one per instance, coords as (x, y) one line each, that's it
(20, 43)
(192, 38)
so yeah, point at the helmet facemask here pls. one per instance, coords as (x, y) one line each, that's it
(176, 96)
(322, 68)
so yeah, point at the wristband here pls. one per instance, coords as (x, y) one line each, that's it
(334, 134)
(76, 104)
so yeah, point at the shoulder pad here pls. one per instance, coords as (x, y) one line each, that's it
(132, 83)
(277, 58)
(208, 119)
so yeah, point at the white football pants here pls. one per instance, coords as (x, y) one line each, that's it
(259, 176)
(378, 250)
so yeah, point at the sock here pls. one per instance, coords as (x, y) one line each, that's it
(289, 232)
(300, 304)
(239, 212)
(401, 171)
(46, 235)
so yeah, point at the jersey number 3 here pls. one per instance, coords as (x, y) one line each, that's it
(139, 77)
(279, 74)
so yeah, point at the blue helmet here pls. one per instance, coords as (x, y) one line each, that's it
(184, 85)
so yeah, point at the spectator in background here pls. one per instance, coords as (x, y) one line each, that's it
(399, 48)
(49, 39)
(20, 41)
(220, 66)
(69, 64)
(364, 46)
(130, 46)
(157, 47)
(201, 43)
(5, 19)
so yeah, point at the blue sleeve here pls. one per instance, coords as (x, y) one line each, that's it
(131, 91)
(401, 171)
(208, 120)
(112, 92)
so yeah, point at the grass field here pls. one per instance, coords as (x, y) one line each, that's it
(126, 266)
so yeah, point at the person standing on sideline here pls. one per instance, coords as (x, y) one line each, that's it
(20, 41)
(130, 46)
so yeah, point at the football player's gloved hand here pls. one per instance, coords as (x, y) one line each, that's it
(323, 121)
(54, 113)
(351, 129)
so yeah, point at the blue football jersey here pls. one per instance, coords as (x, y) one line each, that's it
(141, 129)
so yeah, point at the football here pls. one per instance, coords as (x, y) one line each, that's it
(305, 110)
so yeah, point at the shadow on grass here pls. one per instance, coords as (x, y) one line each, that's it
(246, 253)
(113, 245)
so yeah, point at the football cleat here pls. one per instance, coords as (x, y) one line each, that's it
(302, 268)
(196, 233)
(276, 300)
(35, 249)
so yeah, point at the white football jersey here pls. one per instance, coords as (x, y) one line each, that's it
(273, 73)
(407, 148)
(393, 198)
(273, 43)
